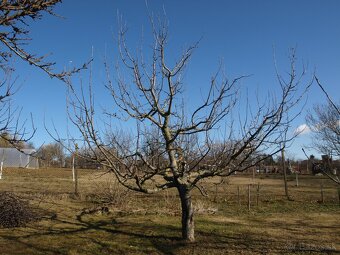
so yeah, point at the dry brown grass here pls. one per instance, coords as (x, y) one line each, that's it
(139, 224)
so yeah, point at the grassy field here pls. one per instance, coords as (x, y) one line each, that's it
(106, 219)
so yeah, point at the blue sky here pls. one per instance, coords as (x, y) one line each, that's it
(243, 34)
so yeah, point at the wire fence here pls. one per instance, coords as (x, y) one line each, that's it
(246, 190)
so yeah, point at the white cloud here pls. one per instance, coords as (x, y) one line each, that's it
(303, 129)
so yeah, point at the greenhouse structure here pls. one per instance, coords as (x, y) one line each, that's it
(12, 157)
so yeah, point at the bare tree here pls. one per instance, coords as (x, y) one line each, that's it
(14, 34)
(51, 155)
(172, 147)
(13, 133)
(15, 17)
(324, 122)
(330, 101)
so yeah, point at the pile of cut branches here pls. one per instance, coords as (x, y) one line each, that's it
(14, 211)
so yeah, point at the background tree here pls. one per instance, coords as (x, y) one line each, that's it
(14, 34)
(15, 17)
(324, 122)
(51, 155)
(329, 99)
(12, 133)
(173, 147)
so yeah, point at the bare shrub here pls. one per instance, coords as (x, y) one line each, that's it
(204, 207)
(15, 212)
(110, 193)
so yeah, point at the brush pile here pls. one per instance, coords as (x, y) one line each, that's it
(14, 211)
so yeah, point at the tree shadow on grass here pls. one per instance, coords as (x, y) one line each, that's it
(130, 236)
(145, 235)
(255, 240)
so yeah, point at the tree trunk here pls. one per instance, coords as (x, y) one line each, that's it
(284, 173)
(188, 227)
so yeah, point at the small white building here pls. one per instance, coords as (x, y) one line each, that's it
(12, 157)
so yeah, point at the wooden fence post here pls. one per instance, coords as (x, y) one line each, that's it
(297, 179)
(249, 197)
(322, 195)
(75, 171)
(253, 174)
(76, 182)
(1, 166)
(257, 194)
(73, 174)
(216, 191)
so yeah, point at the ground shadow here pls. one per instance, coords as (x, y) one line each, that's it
(159, 238)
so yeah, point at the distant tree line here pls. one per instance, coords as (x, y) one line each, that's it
(53, 155)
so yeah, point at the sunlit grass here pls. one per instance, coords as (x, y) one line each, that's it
(151, 224)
